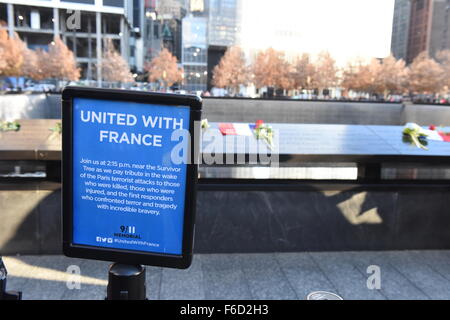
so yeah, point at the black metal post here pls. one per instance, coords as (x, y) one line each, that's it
(53, 171)
(369, 172)
(4, 295)
(126, 282)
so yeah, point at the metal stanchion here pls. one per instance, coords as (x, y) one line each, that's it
(6, 295)
(126, 282)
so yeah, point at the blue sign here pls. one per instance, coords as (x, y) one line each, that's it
(128, 193)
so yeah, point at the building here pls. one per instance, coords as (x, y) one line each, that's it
(152, 31)
(439, 35)
(400, 28)
(163, 27)
(428, 28)
(210, 27)
(82, 24)
(170, 15)
(137, 37)
(224, 22)
(429, 25)
(419, 31)
(223, 31)
(195, 53)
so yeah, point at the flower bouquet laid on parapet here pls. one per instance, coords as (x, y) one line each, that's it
(264, 132)
(57, 128)
(259, 130)
(9, 126)
(56, 132)
(204, 124)
(441, 135)
(418, 136)
(415, 135)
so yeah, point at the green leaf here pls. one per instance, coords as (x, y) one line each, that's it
(9, 126)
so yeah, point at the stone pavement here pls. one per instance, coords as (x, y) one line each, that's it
(403, 275)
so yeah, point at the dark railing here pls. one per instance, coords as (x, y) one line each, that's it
(389, 196)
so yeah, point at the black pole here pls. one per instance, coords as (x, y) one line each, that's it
(126, 282)
(4, 295)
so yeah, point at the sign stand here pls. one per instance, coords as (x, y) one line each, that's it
(132, 155)
(126, 282)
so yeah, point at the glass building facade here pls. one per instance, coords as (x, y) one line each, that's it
(223, 24)
(400, 28)
(195, 48)
(209, 29)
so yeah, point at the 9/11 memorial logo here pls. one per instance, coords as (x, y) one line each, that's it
(128, 232)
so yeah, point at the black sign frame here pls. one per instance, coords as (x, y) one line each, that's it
(70, 249)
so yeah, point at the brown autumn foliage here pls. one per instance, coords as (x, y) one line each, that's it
(41, 67)
(377, 77)
(325, 75)
(60, 62)
(114, 66)
(356, 77)
(370, 77)
(231, 72)
(425, 75)
(164, 69)
(349, 79)
(34, 63)
(16, 59)
(386, 76)
(30, 63)
(302, 73)
(443, 57)
(270, 69)
(11, 51)
(3, 64)
(392, 76)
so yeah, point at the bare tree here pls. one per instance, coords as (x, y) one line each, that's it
(114, 66)
(270, 69)
(164, 69)
(231, 72)
(425, 75)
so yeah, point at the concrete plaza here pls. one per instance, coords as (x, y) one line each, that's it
(403, 275)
